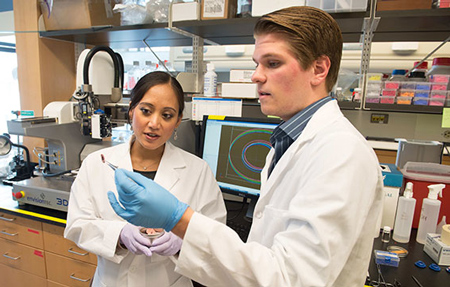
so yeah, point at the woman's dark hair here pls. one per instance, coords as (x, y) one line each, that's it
(153, 79)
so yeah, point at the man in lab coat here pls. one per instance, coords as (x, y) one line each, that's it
(321, 190)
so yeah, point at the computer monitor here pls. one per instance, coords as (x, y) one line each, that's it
(236, 149)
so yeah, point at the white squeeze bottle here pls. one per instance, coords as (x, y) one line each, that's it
(210, 81)
(405, 215)
(430, 212)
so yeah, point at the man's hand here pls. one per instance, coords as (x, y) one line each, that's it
(145, 203)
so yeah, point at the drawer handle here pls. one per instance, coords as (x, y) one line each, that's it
(79, 279)
(77, 253)
(10, 257)
(7, 219)
(9, 234)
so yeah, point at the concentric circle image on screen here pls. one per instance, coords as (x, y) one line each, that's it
(242, 155)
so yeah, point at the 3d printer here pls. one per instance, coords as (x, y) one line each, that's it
(68, 128)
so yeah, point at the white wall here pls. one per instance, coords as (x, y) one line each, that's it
(383, 57)
(6, 22)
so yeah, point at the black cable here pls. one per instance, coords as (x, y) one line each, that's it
(244, 201)
(56, 174)
(88, 59)
(121, 70)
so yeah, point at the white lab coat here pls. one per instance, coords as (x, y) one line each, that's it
(313, 224)
(94, 226)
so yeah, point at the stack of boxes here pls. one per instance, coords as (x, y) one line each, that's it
(432, 93)
(374, 85)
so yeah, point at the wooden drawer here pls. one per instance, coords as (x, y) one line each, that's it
(69, 271)
(51, 283)
(12, 277)
(55, 242)
(22, 230)
(22, 257)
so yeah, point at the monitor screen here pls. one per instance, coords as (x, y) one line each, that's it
(236, 149)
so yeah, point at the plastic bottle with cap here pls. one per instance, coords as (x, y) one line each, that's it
(430, 212)
(441, 224)
(405, 214)
(397, 75)
(134, 74)
(210, 81)
(386, 236)
(440, 66)
(419, 73)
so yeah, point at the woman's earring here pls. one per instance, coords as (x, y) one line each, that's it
(175, 135)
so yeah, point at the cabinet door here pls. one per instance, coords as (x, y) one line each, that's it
(69, 271)
(55, 242)
(22, 230)
(51, 283)
(22, 257)
(12, 277)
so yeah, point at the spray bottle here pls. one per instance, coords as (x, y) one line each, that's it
(405, 215)
(430, 212)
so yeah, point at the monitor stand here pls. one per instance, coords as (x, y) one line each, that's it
(251, 207)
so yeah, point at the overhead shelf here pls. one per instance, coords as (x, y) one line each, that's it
(413, 25)
(222, 31)
(408, 25)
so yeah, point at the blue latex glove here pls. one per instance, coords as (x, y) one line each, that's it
(134, 241)
(167, 245)
(145, 202)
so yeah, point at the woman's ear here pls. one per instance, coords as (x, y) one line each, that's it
(179, 120)
(321, 67)
(130, 115)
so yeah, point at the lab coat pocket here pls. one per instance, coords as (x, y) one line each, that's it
(274, 220)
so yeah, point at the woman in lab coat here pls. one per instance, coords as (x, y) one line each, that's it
(321, 190)
(125, 258)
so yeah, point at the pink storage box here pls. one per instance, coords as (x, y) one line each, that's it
(387, 100)
(391, 85)
(439, 78)
(439, 87)
(389, 92)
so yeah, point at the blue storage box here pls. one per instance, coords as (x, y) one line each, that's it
(392, 176)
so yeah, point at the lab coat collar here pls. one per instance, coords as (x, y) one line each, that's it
(328, 113)
(168, 172)
(170, 166)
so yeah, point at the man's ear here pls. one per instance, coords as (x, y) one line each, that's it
(321, 67)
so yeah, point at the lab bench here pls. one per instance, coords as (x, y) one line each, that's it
(34, 249)
(406, 267)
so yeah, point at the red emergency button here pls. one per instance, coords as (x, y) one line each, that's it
(19, 195)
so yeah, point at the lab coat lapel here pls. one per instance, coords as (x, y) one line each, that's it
(121, 157)
(168, 171)
(327, 113)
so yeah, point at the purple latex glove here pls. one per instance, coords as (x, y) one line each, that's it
(134, 241)
(167, 245)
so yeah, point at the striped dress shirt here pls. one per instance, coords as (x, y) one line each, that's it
(287, 132)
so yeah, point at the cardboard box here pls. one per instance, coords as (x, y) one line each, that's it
(393, 180)
(241, 76)
(218, 9)
(386, 5)
(240, 90)
(79, 14)
(261, 7)
(437, 250)
(185, 11)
